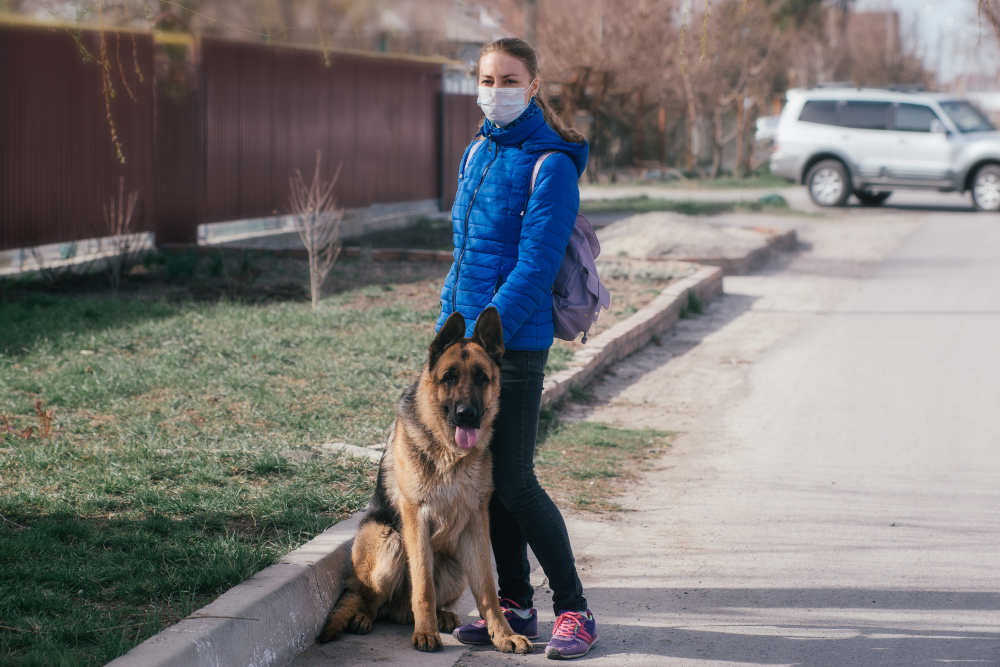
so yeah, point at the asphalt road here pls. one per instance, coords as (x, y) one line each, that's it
(834, 496)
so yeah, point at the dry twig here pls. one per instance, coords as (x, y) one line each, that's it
(121, 245)
(317, 220)
(6, 520)
(44, 420)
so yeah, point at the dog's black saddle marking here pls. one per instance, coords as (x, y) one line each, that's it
(380, 507)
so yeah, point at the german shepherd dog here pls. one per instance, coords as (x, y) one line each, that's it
(426, 531)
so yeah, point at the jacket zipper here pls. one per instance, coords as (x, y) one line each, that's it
(465, 235)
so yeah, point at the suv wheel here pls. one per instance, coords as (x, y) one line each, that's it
(986, 188)
(828, 184)
(869, 198)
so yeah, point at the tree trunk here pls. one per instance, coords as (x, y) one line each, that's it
(716, 142)
(689, 93)
(639, 138)
(530, 21)
(740, 126)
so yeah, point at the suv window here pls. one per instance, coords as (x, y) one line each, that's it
(967, 117)
(914, 118)
(819, 111)
(864, 115)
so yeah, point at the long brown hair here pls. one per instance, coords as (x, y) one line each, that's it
(520, 49)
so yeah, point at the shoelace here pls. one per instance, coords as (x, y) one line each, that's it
(503, 608)
(567, 624)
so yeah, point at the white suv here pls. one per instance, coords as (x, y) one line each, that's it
(869, 142)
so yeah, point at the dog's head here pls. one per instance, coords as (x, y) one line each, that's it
(465, 375)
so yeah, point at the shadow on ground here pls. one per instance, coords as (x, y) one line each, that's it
(820, 627)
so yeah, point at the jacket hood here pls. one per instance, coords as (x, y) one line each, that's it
(534, 135)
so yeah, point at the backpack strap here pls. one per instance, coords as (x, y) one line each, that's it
(538, 166)
(476, 145)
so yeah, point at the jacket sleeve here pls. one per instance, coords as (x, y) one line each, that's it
(545, 230)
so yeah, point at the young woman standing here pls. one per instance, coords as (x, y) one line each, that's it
(508, 249)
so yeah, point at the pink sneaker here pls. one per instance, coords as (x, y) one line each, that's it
(574, 634)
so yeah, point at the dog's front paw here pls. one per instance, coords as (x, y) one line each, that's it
(360, 625)
(513, 644)
(447, 620)
(427, 641)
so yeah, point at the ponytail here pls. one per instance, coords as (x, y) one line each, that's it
(520, 49)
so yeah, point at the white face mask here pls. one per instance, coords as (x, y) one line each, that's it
(502, 105)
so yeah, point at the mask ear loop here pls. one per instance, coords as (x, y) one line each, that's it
(533, 95)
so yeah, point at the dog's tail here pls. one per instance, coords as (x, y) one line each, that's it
(348, 614)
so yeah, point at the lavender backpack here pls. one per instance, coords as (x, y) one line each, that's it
(577, 294)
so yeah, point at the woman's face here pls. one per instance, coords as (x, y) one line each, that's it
(501, 70)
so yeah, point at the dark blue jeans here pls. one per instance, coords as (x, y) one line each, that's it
(521, 513)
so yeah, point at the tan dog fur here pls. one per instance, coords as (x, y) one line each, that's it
(426, 532)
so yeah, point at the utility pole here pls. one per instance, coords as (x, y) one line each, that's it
(530, 19)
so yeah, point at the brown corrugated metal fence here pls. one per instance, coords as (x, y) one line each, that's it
(215, 135)
(268, 110)
(58, 164)
(460, 116)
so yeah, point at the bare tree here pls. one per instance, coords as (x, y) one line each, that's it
(121, 246)
(317, 220)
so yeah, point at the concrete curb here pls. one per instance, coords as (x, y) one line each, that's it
(633, 333)
(267, 620)
(273, 616)
(739, 266)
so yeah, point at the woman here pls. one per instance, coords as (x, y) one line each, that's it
(508, 249)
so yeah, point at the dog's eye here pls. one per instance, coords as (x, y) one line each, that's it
(482, 379)
(448, 379)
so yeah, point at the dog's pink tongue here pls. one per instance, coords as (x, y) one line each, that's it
(466, 436)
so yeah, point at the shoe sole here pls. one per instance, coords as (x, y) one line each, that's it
(555, 655)
(486, 643)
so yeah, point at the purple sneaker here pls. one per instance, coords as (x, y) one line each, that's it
(476, 633)
(573, 635)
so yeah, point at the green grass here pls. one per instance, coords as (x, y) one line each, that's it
(762, 180)
(588, 464)
(644, 204)
(427, 234)
(162, 484)
(559, 358)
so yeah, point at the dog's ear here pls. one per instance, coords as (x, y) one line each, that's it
(452, 332)
(488, 333)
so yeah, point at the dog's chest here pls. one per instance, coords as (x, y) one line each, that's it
(449, 507)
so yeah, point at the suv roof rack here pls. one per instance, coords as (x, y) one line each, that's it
(907, 87)
(836, 84)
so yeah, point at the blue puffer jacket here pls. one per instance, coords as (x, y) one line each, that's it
(508, 249)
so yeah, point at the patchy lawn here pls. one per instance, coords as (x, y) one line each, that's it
(644, 204)
(167, 477)
(585, 464)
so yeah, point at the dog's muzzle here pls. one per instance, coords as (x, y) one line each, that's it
(466, 420)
